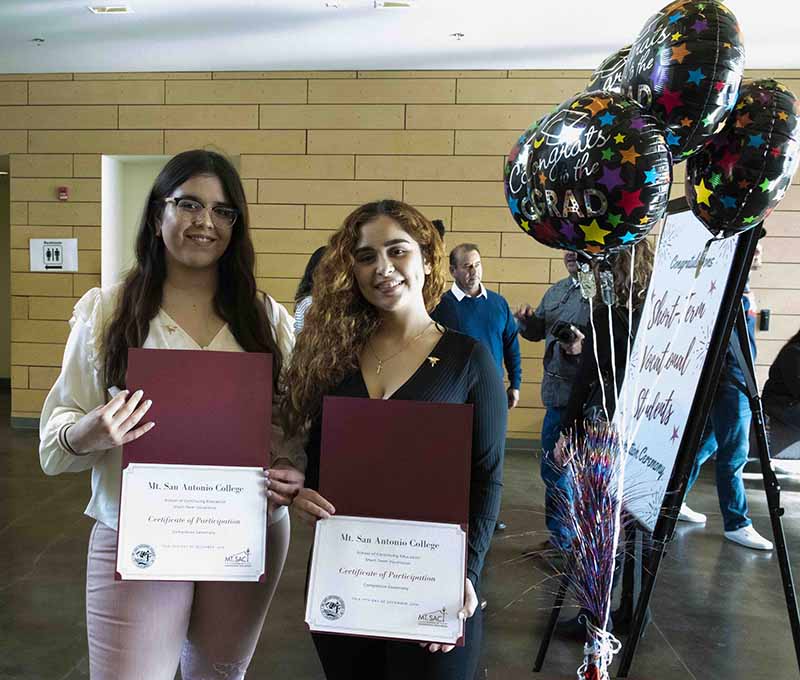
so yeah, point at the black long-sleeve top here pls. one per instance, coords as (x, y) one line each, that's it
(587, 378)
(464, 374)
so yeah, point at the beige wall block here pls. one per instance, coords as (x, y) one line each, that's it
(19, 377)
(87, 165)
(530, 350)
(88, 237)
(281, 75)
(332, 216)
(486, 142)
(20, 235)
(41, 165)
(791, 201)
(51, 307)
(80, 190)
(532, 370)
(39, 331)
(97, 93)
(522, 245)
(783, 223)
(65, 213)
(774, 275)
(13, 141)
(389, 91)
(89, 261)
(233, 142)
(276, 216)
(374, 142)
(42, 283)
(36, 354)
(518, 91)
(781, 327)
(488, 244)
(282, 290)
(454, 193)
(779, 301)
(333, 117)
(149, 75)
(97, 141)
(515, 270)
(332, 192)
(19, 307)
(13, 93)
(19, 260)
(189, 117)
(474, 117)
(304, 241)
(433, 74)
(42, 378)
(19, 213)
(82, 283)
(297, 167)
(781, 249)
(281, 266)
(527, 293)
(58, 117)
(250, 187)
(36, 76)
(236, 92)
(531, 397)
(428, 167)
(483, 219)
(525, 423)
(28, 400)
(550, 73)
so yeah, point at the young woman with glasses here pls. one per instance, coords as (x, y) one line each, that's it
(192, 287)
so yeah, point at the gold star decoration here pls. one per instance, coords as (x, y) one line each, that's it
(676, 36)
(679, 53)
(594, 233)
(542, 177)
(783, 115)
(598, 104)
(686, 122)
(619, 138)
(629, 155)
(524, 225)
(644, 220)
(433, 360)
(702, 192)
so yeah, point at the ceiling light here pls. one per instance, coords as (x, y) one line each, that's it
(110, 9)
(393, 4)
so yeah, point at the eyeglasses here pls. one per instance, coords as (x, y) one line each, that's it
(222, 216)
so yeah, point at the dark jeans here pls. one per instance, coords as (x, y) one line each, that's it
(729, 438)
(554, 478)
(359, 658)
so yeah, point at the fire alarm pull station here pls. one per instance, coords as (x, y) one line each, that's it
(63, 193)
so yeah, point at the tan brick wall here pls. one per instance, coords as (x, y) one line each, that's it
(312, 145)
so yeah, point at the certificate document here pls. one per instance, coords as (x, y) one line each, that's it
(384, 578)
(192, 523)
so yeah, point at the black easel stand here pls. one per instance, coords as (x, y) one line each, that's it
(730, 310)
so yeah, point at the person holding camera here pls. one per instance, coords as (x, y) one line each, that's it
(558, 320)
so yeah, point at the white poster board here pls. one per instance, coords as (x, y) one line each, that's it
(668, 356)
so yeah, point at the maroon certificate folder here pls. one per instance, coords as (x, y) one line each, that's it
(390, 459)
(210, 408)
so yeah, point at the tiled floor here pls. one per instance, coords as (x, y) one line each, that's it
(719, 612)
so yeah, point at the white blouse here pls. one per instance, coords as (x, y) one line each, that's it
(80, 388)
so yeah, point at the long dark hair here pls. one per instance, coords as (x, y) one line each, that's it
(306, 283)
(236, 300)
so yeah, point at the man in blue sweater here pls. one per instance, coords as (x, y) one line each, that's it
(468, 307)
(482, 314)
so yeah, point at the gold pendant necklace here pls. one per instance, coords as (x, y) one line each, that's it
(381, 362)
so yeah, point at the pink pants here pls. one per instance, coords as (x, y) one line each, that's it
(142, 630)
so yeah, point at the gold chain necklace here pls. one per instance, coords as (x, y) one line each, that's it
(381, 362)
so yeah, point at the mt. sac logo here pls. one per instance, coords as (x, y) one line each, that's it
(240, 559)
(332, 607)
(434, 619)
(143, 555)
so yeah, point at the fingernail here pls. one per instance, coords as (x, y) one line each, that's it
(269, 493)
(462, 616)
(148, 403)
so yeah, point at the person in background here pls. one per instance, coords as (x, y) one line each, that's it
(302, 298)
(468, 307)
(782, 389)
(728, 436)
(560, 320)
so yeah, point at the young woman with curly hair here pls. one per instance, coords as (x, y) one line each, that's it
(369, 334)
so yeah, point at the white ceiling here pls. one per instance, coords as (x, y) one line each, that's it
(257, 35)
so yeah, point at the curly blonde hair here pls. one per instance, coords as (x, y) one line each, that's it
(340, 320)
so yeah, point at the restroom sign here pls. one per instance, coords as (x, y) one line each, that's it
(54, 255)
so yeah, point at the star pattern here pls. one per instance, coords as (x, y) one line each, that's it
(670, 99)
(593, 232)
(702, 192)
(611, 178)
(629, 155)
(650, 176)
(756, 140)
(607, 118)
(728, 201)
(619, 138)
(607, 154)
(679, 53)
(672, 138)
(627, 237)
(743, 120)
(696, 76)
(630, 201)
(597, 105)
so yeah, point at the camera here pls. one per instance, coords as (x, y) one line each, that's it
(564, 332)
